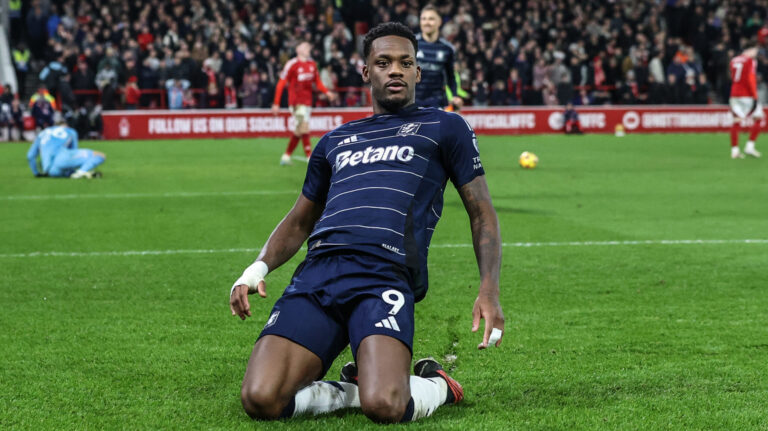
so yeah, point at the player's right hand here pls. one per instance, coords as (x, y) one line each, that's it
(238, 300)
(252, 281)
(275, 109)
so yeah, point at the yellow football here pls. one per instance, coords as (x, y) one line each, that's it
(528, 160)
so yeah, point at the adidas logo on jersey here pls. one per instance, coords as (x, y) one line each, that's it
(389, 323)
(373, 155)
(349, 140)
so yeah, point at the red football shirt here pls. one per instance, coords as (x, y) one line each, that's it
(743, 77)
(299, 75)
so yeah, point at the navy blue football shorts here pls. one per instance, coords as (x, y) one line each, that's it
(336, 300)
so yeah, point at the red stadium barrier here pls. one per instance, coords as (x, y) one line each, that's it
(248, 123)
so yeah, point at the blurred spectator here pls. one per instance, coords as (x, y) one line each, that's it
(266, 90)
(106, 82)
(42, 110)
(110, 60)
(42, 93)
(629, 91)
(673, 96)
(87, 121)
(21, 57)
(176, 89)
(230, 93)
(83, 79)
(514, 88)
(37, 35)
(480, 89)
(212, 86)
(656, 91)
(189, 101)
(14, 13)
(583, 99)
(249, 91)
(132, 93)
(701, 92)
(6, 95)
(498, 94)
(145, 38)
(687, 89)
(52, 24)
(14, 119)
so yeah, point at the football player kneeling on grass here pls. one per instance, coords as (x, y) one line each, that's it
(59, 155)
(366, 263)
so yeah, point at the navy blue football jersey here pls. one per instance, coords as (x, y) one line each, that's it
(382, 180)
(436, 61)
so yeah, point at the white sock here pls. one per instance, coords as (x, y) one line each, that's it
(324, 397)
(750, 146)
(428, 395)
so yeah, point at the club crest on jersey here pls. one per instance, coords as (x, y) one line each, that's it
(370, 155)
(408, 129)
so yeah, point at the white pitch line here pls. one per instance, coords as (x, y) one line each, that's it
(506, 244)
(146, 195)
(129, 252)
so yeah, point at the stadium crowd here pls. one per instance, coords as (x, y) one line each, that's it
(226, 54)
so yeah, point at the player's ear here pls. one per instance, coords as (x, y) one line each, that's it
(418, 74)
(366, 78)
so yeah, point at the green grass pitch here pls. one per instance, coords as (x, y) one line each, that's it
(608, 326)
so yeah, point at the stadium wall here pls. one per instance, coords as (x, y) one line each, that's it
(247, 123)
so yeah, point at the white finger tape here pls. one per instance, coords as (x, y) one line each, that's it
(495, 336)
(251, 277)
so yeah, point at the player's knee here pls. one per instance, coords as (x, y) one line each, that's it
(385, 406)
(261, 403)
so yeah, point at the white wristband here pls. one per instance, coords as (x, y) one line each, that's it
(495, 336)
(252, 276)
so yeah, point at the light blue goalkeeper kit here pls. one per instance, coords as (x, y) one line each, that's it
(381, 182)
(59, 155)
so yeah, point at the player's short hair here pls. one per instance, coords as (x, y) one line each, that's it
(388, 29)
(431, 7)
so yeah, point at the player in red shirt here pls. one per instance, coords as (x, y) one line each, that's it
(299, 73)
(744, 102)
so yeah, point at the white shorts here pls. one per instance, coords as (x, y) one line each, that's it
(301, 113)
(741, 107)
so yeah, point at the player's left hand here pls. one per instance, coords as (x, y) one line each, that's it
(488, 308)
(457, 102)
(331, 97)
